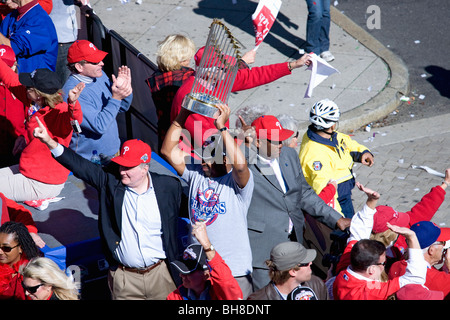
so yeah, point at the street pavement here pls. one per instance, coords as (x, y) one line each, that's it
(371, 81)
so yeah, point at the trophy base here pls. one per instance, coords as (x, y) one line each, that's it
(203, 104)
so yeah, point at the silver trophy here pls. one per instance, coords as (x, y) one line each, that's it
(214, 76)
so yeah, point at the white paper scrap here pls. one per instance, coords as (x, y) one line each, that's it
(429, 170)
(320, 70)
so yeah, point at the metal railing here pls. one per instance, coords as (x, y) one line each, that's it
(140, 121)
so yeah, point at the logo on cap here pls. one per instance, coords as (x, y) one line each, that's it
(277, 124)
(125, 149)
(91, 45)
(189, 254)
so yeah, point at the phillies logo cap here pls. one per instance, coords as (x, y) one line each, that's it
(269, 127)
(85, 50)
(133, 153)
(7, 54)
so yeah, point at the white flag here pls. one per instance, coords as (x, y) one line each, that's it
(320, 70)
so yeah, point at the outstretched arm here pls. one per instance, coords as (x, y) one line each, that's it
(199, 231)
(170, 150)
(362, 221)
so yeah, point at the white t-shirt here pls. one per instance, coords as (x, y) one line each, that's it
(223, 205)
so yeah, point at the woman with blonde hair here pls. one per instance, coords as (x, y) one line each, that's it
(44, 280)
(174, 52)
(173, 57)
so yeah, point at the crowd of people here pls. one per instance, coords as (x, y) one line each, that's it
(249, 189)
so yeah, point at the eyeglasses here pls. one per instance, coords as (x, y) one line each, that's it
(300, 265)
(296, 135)
(380, 264)
(7, 248)
(33, 289)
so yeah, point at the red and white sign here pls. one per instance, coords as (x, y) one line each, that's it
(263, 19)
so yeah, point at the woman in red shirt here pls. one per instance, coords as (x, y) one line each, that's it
(39, 176)
(12, 117)
(16, 249)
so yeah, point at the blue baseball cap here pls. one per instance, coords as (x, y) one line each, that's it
(428, 233)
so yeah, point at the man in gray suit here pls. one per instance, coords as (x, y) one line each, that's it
(280, 196)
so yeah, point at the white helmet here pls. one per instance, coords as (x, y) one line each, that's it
(324, 114)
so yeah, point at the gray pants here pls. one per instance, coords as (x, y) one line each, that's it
(19, 188)
(246, 285)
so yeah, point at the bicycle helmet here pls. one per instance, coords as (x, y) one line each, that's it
(324, 114)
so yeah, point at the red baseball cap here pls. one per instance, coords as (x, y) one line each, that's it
(269, 127)
(7, 54)
(385, 214)
(84, 50)
(133, 153)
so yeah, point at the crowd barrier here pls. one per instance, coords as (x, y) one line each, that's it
(140, 121)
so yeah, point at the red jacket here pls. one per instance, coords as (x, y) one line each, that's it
(348, 286)
(36, 161)
(10, 281)
(436, 280)
(12, 120)
(12, 211)
(223, 285)
(245, 79)
(424, 210)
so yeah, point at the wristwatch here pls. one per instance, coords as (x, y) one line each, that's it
(211, 248)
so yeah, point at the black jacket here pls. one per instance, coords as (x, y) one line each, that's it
(111, 193)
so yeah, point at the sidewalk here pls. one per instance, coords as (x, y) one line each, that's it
(362, 90)
(399, 147)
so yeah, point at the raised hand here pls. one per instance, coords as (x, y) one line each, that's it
(74, 94)
(121, 87)
(41, 133)
(224, 115)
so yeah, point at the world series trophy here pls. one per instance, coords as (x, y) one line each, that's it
(216, 72)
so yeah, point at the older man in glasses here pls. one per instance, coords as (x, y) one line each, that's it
(101, 101)
(280, 196)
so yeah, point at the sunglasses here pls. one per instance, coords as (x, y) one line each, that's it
(274, 142)
(7, 249)
(93, 63)
(33, 289)
(301, 265)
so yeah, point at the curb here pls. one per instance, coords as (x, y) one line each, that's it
(397, 85)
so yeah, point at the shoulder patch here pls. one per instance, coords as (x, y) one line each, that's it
(317, 165)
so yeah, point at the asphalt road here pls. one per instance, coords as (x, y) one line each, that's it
(417, 31)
